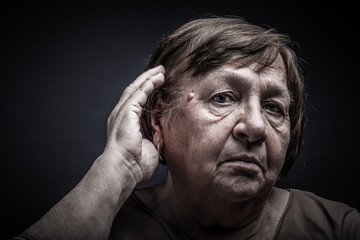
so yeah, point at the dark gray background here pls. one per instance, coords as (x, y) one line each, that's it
(64, 66)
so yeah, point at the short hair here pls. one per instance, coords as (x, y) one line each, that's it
(204, 44)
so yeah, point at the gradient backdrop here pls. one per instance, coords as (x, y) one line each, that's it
(65, 65)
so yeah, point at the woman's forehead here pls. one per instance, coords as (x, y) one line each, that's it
(236, 76)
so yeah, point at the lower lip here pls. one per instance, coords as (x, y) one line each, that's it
(248, 167)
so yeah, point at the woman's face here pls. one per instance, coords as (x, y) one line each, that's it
(231, 132)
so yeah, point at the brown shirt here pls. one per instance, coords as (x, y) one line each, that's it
(306, 216)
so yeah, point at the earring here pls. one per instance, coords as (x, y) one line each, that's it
(158, 148)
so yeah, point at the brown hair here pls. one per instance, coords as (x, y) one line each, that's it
(204, 44)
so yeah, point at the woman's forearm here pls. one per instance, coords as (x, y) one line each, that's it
(88, 210)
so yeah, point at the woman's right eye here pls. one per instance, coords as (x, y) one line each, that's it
(223, 98)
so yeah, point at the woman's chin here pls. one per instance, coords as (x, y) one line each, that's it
(242, 188)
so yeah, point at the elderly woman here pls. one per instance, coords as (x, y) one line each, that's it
(222, 104)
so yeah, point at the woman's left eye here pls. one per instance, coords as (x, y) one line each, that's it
(222, 98)
(273, 108)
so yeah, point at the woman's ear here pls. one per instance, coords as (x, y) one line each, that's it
(156, 115)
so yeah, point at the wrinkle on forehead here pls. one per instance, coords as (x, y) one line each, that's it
(239, 76)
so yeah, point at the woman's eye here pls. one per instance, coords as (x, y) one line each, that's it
(273, 108)
(222, 98)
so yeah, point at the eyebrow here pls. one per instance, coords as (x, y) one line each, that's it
(271, 88)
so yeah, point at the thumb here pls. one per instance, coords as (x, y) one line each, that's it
(149, 159)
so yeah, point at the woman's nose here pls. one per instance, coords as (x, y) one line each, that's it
(251, 125)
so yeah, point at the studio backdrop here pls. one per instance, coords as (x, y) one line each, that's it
(65, 65)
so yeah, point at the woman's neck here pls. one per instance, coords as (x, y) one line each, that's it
(216, 219)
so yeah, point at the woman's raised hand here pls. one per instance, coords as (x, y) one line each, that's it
(127, 160)
(125, 142)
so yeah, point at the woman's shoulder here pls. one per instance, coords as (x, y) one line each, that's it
(310, 216)
(309, 204)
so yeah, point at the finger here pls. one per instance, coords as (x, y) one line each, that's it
(138, 81)
(133, 87)
(139, 97)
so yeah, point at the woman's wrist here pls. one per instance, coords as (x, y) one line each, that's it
(121, 165)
